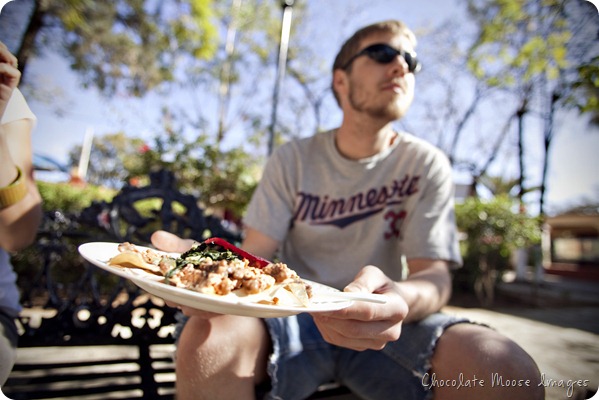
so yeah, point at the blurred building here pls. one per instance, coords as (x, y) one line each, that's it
(574, 244)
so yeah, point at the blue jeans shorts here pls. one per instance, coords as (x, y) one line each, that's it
(301, 361)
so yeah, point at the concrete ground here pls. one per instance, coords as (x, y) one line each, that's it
(556, 320)
(563, 354)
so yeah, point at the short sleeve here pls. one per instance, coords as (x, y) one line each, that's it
(431, 230)
(271, 208)
(17, 109)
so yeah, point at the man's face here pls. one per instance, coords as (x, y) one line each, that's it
(381, 90)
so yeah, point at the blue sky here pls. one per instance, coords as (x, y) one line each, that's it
(574, 165)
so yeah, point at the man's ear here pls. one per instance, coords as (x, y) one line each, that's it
(340, 82)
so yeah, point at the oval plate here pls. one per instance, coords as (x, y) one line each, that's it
(98, 253)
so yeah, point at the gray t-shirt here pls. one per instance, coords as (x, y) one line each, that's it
(333, 215)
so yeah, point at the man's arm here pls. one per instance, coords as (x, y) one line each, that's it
(427, 288)
(371, 326)
(259, 244)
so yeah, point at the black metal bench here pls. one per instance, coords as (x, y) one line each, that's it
(99, 336)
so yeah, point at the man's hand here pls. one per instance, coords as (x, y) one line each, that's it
(171, 243)
(364, 326)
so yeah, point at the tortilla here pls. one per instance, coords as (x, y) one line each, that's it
(129, 259)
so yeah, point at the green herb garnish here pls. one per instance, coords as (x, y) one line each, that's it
(199, 252)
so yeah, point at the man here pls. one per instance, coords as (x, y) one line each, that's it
(346, 208)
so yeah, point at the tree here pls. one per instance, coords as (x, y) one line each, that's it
(492, 229)
(534, 49)
(223, 180)
(587, 84)
(136, 47)
(127, 46)
(112, 157)
(461, 114)
(235, 84)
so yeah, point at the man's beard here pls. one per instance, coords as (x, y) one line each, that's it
(390, 110)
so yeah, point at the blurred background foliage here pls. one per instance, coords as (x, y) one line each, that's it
(492, 230)
(66, 197)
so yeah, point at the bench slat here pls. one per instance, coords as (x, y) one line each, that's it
(80, 384)
(129, 391)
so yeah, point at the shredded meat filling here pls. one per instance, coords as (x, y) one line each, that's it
(222, 277)
(203, 274)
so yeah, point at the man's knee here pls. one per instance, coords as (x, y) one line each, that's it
(225, 344)
(500, 368)
(194, 349)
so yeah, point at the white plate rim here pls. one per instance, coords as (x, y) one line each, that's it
(98, 253)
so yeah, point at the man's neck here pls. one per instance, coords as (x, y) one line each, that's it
(355, 140)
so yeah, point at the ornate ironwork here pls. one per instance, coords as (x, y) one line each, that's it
(97, 308)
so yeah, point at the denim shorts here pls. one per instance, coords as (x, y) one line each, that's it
(301, 361)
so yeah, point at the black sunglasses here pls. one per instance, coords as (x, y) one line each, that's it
(383, 54)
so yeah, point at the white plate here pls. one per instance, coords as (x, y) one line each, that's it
(98, 253)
